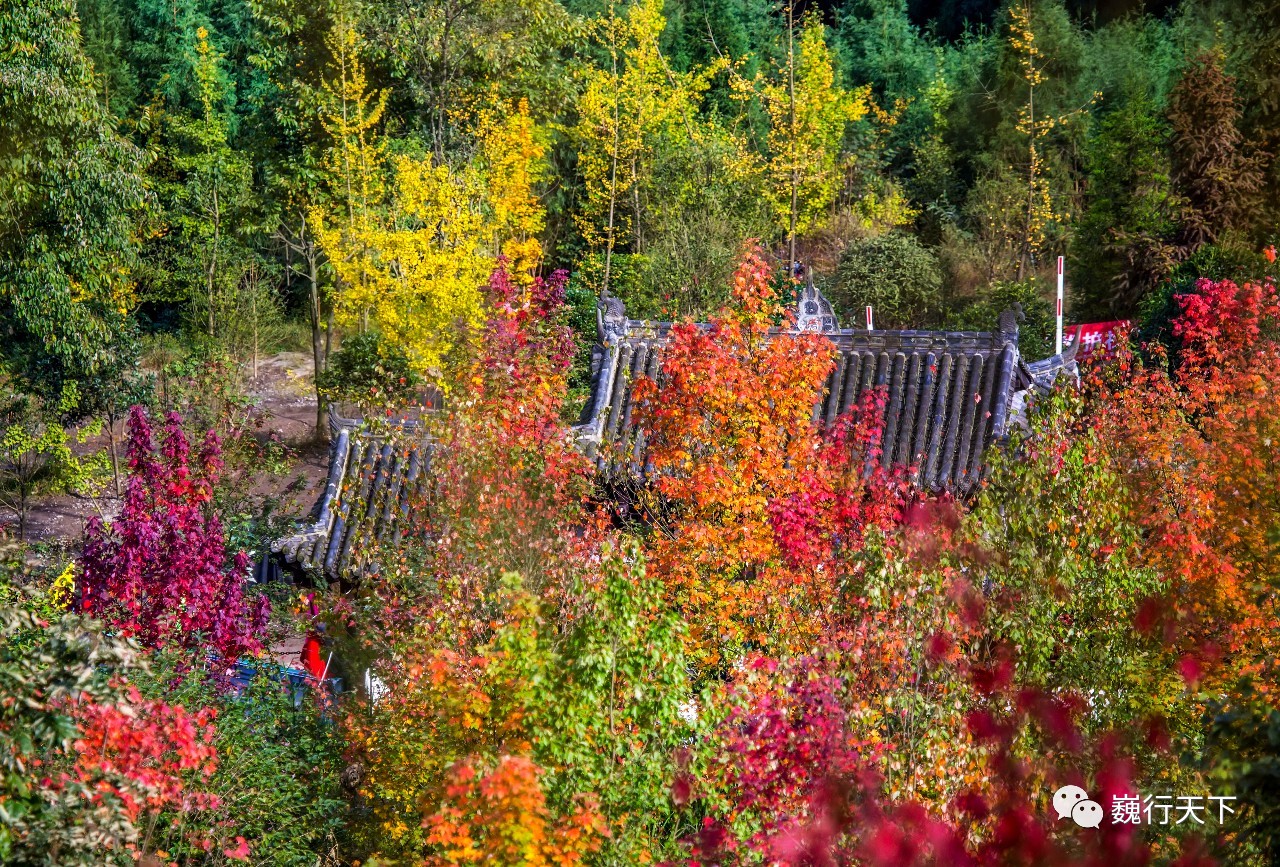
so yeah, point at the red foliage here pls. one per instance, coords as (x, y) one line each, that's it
(1194, 436)
(790, 782)
(139, 749)
(787, 757)
(159, 571)
(508, 495)
(509, 485)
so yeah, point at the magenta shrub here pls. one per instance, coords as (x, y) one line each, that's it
(160, 572)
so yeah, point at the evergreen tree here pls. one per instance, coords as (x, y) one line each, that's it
(880, 46)
(287, 141)
(212, 204)
(450, 58)
(1215, 169)
(1124, 243)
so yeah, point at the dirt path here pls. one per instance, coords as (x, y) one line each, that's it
(282, 390)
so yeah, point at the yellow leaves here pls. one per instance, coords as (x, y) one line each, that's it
(62, 590)
(625, 107)
(411, 260)
(878, 212)
(416, 272)
(351, 117)
(807, 121)
(513, 161)
(1023, 39)
(1038, 207)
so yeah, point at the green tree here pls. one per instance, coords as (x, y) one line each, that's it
(808, 114)
(368, 371)
(210, 198)
(453, 57)
(982, 312)
(289, 52)
(106, 37)
(70, 194)
(1068, 578)
(896, 275)
(1215, 168)
(1123, 246)
(1241, 754)
(880, 46)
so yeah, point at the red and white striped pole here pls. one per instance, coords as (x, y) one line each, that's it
(1059, 341)
(870, 326)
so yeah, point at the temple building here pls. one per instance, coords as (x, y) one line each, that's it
(951, 396)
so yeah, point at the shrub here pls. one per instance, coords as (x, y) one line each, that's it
(276, 783)
(160, 572)
(84, 759)
(896, 275)
(368, 371)
(626, 281)
(1035, 334)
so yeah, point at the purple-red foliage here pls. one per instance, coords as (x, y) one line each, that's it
(525, 324)
(159, 572)
(789, 760)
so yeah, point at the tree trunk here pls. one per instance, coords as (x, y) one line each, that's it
(1028, 240)
(305, 246)
(319, 341)
(613, 169)
(253, 318)
(635, 200)
(213, 258)
(115, 456)
(795, 169)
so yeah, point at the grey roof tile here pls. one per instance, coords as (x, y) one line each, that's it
(948, 392)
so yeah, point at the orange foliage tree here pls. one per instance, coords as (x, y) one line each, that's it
(761, 505)
(533, 678)
(501, 817)
(1195, 434)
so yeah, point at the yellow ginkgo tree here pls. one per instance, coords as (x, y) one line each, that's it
(412, 241)
(808, 113)
(1037, 211)
(513, 164)
(625, 108)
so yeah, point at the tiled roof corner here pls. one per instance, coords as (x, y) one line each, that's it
(375, 478)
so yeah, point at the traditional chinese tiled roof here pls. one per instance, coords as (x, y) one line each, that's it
(949, 394)
(375, 476)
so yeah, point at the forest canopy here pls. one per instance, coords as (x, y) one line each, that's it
(361, 166)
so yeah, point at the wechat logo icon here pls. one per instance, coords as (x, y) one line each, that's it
(1073, 802)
